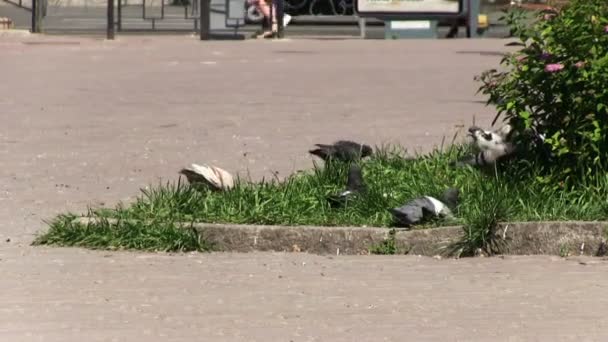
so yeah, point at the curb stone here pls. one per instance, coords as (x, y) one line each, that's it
(562, 238)
(516, 238)
(14, 33)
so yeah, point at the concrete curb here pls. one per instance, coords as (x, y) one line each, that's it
(553, 238)
(516, 238)
(14, 33)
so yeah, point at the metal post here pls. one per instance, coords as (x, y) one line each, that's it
(34, 21)
(110, 28)
(473, 17)
(119, 21)
(205, 18)
(37, 16)
(362, 28)
(280, 13)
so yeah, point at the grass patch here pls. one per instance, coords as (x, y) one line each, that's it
(392, 180)
(148, 236)
(388, 246)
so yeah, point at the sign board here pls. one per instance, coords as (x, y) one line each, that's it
(408, 8)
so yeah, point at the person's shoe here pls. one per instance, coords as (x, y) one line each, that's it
(257, 34)
(269, 35)
(286, 19)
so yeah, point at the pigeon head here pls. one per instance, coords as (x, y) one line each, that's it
(479, 134)
(451, 197)
(354, 187)
(355, 178)
(488, 140)
(366, 151)
(473, 130)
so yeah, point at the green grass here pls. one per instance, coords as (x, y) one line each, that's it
(486, 198)
(124, 234)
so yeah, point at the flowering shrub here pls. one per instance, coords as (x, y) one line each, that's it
(557, 85)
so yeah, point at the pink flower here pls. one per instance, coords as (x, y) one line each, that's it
(554, 67)
(579, 65)
(606, 28)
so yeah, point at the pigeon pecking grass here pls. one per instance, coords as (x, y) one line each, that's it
(422, 208)
(343, 150)
(212, 176)
(354, 187)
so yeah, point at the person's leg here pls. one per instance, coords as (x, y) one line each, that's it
(264, 8)
(453, 29)
(286, 17)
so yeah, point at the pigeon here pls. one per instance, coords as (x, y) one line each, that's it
(213, 176)
(354, 187)
(421, 208)
(342, 150)
(492, 146)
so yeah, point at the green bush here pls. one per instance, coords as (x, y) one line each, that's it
(557, 85)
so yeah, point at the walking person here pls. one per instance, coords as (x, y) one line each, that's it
(263, 6)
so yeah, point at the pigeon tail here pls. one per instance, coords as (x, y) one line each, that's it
(324, 152)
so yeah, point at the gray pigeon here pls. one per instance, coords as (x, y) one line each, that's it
(354, 186)
(421, 208)
(342, 150)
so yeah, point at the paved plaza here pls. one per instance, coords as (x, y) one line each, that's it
(89, 122)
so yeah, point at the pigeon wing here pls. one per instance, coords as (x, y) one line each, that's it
(214, 176)
(348, 150)
(435, 207)
(192, 176)
(408, 214)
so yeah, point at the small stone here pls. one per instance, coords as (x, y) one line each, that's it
(479, 253)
